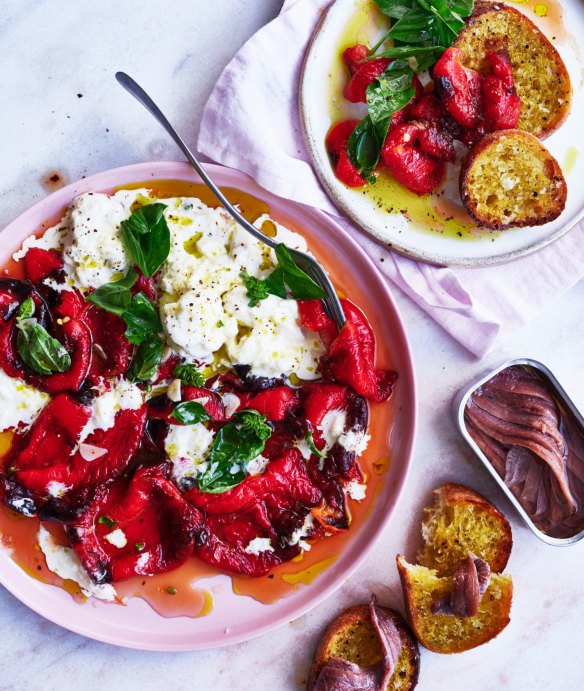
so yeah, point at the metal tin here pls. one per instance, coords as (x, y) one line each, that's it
(559, 392)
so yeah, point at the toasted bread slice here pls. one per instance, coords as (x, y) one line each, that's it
(541, 78)
(443, 633)
(462, 521)
(509, 179)
(351, 637)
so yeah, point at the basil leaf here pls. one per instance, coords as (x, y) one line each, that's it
(147, 358)
(414, 27)
(39, 350)
(301, 285)
(26, 309)
(147, 237)
(189, 413)
(141, 319)
(115, 297)
(309, 439)
(394, 8)
(390, 92)
(236, 444)
(189, 375)
(366, 142)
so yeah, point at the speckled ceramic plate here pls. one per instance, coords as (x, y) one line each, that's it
(451, 243)
(236, 618)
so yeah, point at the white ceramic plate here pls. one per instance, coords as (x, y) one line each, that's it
(351, 21)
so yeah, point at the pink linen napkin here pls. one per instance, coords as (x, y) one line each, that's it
(251, 122)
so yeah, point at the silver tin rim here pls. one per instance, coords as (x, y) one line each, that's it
(459, 406)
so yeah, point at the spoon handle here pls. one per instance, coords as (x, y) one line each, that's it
(140, 95)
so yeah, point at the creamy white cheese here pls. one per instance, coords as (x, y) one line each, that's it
(123, 396)
(258, 465)
(58, 489)
(332, 426)
(356, 490)
(20, 404)
(187, 447)
(354, 441)
(259, 545)
(65, 563)
(93, 250)
(297, 537)
(117, 538)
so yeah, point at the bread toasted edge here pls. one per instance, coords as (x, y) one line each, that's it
(355, 615)
(477, 150)
(452, 494)
(488, 7)
(414, 616)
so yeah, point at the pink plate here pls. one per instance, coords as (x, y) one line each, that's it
(235, 618)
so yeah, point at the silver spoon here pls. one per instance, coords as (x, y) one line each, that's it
(304, 261)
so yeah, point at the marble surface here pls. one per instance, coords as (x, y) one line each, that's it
(62, 112)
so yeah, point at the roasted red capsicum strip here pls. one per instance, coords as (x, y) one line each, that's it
(140, 527)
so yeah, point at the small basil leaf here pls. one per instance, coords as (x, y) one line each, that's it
(390, 92)
(147, 237)
(115, 297)
(39, 350)
(309, 439)
(301, 285)
(147, 358)
(189, 413)
(416, 26)
(26, 309)
(394, 8)
(141, 319)
(189, 375)
(366, 142)
(235, 445)
(275, 283)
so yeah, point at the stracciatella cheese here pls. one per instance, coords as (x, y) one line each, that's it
(122, 396)
(203, 302)
(20, 404)
(187, 447)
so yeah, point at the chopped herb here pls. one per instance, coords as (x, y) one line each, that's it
(106, 520)
(309, 439)
(219, 324)
(189, 375)
(139, 546)
(171, 591)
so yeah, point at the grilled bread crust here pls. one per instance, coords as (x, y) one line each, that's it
(462, 521)
(509, 179)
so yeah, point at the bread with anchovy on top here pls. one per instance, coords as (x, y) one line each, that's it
(352, 637)
(457, 599)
